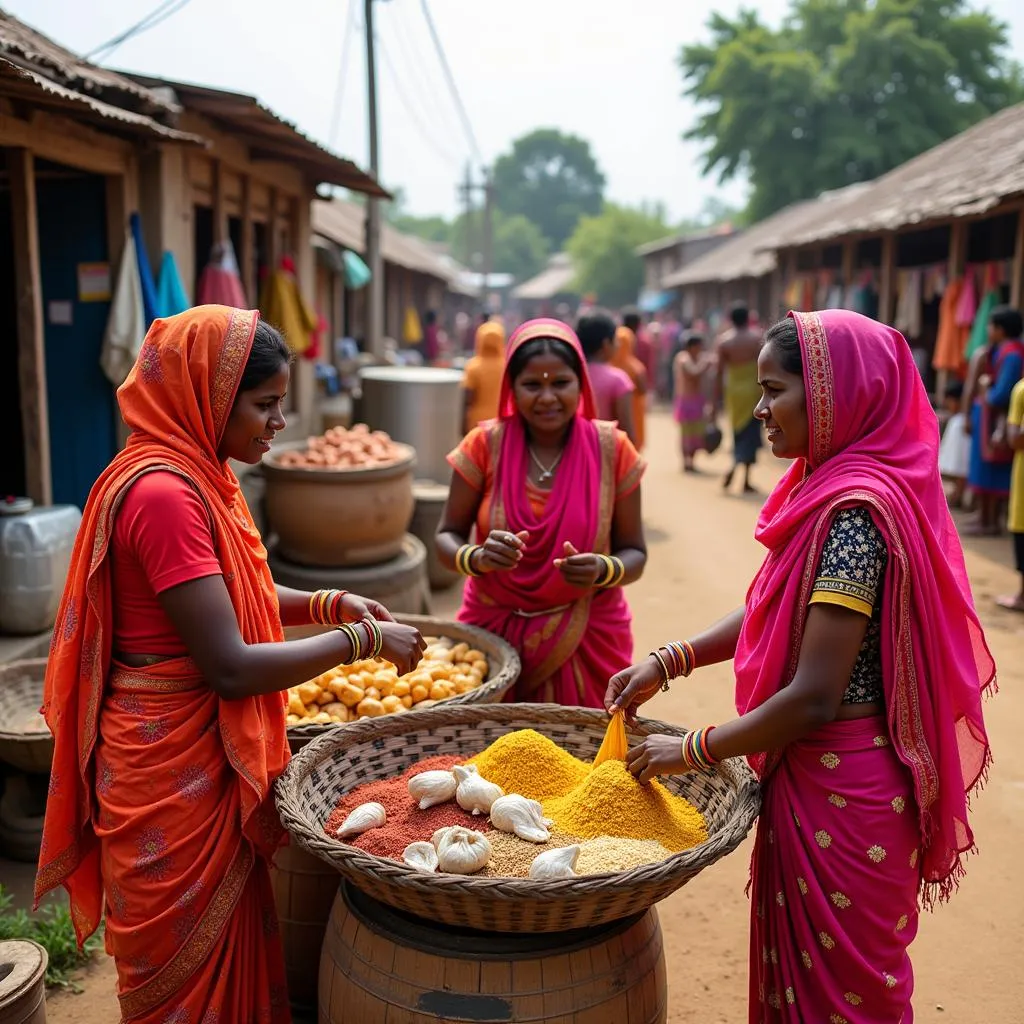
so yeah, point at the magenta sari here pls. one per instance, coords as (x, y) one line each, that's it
(862, 821)
(571, 641)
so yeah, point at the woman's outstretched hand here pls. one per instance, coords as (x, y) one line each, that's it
(633, 686)
(580, 569)
(657, 755)
(501, 552)
(355, 608)
(403, 646)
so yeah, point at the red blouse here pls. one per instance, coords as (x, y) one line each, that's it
(162, 538)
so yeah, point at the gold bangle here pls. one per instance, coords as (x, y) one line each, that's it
(463, 559)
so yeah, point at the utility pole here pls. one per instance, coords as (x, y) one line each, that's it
(375, 303)
(488, 246)
(465, 191)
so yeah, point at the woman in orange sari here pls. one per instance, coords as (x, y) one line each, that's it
(625, 359)
(163, 687)
(481, 380)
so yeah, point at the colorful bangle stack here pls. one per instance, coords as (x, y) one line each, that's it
(614, 571)
(463, 559)
(376, 637)
(362, 639)
(678, 660)
(695, 750)
(325, 607)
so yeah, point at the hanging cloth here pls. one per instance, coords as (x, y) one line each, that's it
(146, 282)
(951, 339)
(357, 273)
(412, 329)
(908, 307)
(967, 306)
(220, 283)
(979, 331)
(282, 305)
(126, 322)
(170, 293)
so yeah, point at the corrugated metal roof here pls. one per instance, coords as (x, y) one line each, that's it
(750, 253)
(555, 279)
(43, 55)
(19, 81)
(964, 176)
(344, 224)
(268, 135)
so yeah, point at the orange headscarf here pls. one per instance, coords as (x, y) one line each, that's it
(625, 359)
(176, 401)
(483, 373)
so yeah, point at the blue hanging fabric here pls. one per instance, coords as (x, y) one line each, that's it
(357, 273)
(149, 301)
(170, 294)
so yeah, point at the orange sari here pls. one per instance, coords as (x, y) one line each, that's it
(625, 359)
(160, 814)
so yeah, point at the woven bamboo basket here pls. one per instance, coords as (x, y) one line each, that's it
(503, 671)
(25, 741)
(379, 748)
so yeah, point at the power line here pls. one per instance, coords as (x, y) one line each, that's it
(159, 14)
(453, 88)
(339, 90)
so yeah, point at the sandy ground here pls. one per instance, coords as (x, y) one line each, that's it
(967, 956)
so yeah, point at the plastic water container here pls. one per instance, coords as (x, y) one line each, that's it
(35, 551)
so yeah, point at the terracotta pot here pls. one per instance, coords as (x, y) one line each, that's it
(339, 517)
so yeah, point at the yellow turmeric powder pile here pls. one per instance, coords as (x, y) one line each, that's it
(527, 763)
(609, 801)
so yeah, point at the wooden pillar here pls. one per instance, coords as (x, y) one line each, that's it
(246, 258)
(31, 339)
(849, 262)
(957, 248)
(220, 216)
(1017, 275)
(887, 280)
(273, 238)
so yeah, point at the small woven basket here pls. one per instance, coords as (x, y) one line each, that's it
(502, 661)
(25, 741)
(378, 748)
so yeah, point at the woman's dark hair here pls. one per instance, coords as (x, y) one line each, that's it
(739, 315)
(1008, 320)
(594, 332)
(785, 339)
(954, 389)
(430, 318)
(540, 347)
(632, 320)
(268, 354)
(692, 338)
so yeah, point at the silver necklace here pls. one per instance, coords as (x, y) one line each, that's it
(546, 472)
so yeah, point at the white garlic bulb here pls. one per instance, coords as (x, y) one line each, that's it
(553, 864)
(475, 794)
(525, 818)
(463, 851)
(362, 819)
(421, 856)
(439, 836)
(430, 788)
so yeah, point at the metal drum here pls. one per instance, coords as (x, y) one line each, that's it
(421, 406)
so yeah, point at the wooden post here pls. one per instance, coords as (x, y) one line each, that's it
(220, 217)
(957, 248)
(849, 262)
(1017, 277)
(887, 280)
(31, 340)
(246, 258)
(273, 239)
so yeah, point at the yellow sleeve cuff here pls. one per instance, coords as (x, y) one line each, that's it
(855, 604)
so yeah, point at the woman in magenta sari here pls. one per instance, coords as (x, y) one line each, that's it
(860, 667)
(553, 495)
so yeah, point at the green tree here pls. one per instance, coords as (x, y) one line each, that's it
(518, 247)
(603, 251)
(843, 91)
(431, 229)
(552, 179)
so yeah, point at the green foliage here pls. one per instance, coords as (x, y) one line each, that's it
(520, 248)
(431, 229)
(843, 91)
(552, 179)
(52, 928)
(603, 251)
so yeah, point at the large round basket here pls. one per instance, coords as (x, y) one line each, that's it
(503, 671)
(25, 741)
(379, 748)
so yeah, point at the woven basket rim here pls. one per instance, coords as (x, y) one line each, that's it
(740, 815)
(32, 685)
(490, 690)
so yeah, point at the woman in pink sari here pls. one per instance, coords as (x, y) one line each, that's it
(554, 498)
(860, 667)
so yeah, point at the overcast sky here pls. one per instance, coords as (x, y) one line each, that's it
(602, 69)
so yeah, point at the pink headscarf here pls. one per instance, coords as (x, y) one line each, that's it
(874, 442)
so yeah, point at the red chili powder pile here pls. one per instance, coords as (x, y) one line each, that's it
(406, 823)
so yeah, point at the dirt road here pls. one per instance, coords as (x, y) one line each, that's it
(967, 957)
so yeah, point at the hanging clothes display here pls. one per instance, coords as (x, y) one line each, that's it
(979, 330)
(170, 292)
(126, 322)
(146, 282)
(283, 305)
(220, 283)
(908, 305)
(967, 304)
(412, 329)
(951, 339)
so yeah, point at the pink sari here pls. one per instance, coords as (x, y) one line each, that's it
(571, 641)
(863, 820)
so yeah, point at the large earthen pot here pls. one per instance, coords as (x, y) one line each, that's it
(339, 517)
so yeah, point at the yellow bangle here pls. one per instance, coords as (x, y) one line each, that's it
(463, 559)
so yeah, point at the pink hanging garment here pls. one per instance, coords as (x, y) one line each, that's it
(967, 305)
(220, 283)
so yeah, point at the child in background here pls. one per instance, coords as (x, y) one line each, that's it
(955, 449)
(690, 370)
(1015, 524)
(613, 389)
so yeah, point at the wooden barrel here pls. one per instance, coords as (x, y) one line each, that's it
(431, 499)
(400, 584)
(304, 891)
(22, 982)
(380, 965)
